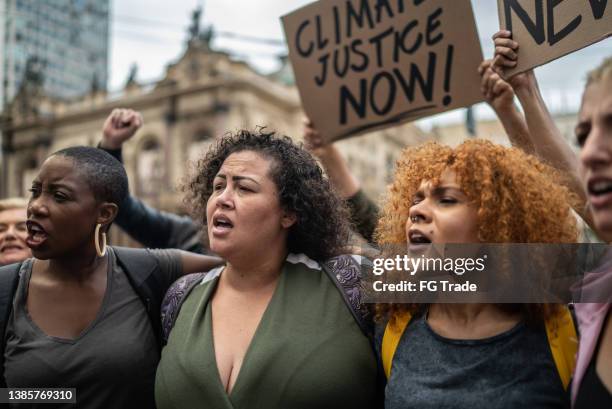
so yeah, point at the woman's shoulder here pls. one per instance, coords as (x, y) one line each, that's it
(345, 271)
(178, 292)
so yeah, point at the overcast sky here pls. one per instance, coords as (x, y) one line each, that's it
(152, 34)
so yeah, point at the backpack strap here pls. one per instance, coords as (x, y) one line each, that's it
(176, 296)
(345, 272)
(561, 332)
(9, 279)
(391, 338)
(563, 342)
(148, 281)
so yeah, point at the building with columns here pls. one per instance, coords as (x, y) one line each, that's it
(202, 95)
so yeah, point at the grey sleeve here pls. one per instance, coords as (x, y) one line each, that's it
(170, 263)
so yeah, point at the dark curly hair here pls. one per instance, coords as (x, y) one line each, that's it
(321, 229)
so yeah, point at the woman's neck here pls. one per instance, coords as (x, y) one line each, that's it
(253, 274)
(470, 321)
(73, 268)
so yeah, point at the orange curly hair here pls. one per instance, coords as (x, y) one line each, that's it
(519, 199)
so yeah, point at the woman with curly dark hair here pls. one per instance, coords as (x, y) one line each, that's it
(270, 329)
(476, 355)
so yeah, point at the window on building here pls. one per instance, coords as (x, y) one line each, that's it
(199, 145)
(150, 168)
(29, 172)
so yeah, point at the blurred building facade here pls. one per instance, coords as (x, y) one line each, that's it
(204, 94)
(492, 129)
(60, 46)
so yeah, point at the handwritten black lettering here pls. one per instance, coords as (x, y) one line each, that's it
(298, 44)
(536, 29)
(553, 37)
(598, 7)
(377, 41)
(400, 41)
(336, 24)
(433, 23)
(388, 95)
(358, 17)
(320, 79)
(358, 106)
(415, 76)
(341, 71)
(380, 5)
(400, 6)
(356, 49)
(448, 69)
(321, 42)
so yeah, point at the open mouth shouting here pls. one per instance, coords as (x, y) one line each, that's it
(418, 241)
(221, 225)
(600, 192)
(36, 234)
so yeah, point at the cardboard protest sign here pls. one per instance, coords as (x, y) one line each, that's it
(367, 64)
(549, 29)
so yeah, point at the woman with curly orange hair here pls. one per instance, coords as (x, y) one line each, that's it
(474, 355)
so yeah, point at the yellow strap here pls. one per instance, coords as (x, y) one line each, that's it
(391, 339)
(563, 343)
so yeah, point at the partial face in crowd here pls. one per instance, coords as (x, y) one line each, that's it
(441, 214)
(13, 234)
(62, 211)
(243, 214)
(594, 135)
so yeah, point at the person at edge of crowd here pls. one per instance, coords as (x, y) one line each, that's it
(83, 314)
(13, 232)
(158, 229)
(592, 384)
(475, 355)
(271, 328)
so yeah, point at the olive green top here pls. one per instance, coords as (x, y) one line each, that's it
(307, 352)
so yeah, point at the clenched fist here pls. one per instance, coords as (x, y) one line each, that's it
(120, 126)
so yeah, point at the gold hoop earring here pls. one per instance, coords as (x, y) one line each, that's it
(101, 252)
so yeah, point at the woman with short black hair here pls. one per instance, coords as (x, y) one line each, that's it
(85, 315)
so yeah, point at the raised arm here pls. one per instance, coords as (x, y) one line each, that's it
(500, 96)
(364, 212)
(151, 227)
(547, 140)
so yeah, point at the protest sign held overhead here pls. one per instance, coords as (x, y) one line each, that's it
(362, 65)
(549, 29)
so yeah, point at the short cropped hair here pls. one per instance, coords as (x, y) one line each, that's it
(104, 174)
